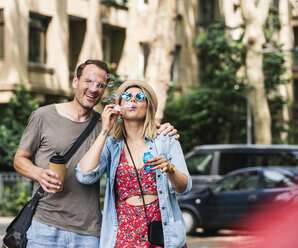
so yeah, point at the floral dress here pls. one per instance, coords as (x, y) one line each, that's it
(133, 229)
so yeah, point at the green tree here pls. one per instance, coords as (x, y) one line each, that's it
(13, 122)
(215, 110)
(274, 73)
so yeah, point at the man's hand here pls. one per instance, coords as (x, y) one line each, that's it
(24, 166)
(47, 180)
(167, 128)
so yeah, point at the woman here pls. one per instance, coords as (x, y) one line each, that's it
(125, 223)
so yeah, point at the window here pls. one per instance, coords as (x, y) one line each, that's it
(274, 179)
(233, 161)
(37, 38)
(206, 12)
(239, 182)
(276, 4)
(200, 164)
(143, 59)
(106, 49)
(1, 34)
(77, 30)
(295, 51)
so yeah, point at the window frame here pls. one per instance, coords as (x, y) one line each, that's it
(38, 35)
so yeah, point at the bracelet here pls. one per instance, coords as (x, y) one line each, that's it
(171, 170)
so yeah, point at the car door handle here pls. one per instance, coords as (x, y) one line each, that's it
(252, 197)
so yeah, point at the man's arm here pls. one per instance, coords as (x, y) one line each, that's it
(24, 166)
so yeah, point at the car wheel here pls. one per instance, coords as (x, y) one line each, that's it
(190, 221)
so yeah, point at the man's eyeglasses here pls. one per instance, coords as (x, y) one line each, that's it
(97, 85)
(139, 96)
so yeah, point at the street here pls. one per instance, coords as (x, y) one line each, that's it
(223, 240)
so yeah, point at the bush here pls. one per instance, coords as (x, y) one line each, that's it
(13, 123)
(14, 198)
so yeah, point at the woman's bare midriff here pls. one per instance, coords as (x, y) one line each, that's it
(137, 200)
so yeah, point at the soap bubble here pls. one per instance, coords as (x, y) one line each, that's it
(111, 80)
(114, 94)
(110, 99)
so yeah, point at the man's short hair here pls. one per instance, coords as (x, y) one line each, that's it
(98, 63)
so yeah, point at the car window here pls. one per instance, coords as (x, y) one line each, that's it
(283, 159)
(275, 179)
(238, 182)
(200, 164)
(233, 161)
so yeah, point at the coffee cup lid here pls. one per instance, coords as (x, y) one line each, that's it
(58, 159)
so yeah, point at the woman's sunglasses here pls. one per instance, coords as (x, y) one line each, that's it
(139, 96)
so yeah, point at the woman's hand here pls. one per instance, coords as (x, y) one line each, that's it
(108, 116)
(178, 180)
(160, 162)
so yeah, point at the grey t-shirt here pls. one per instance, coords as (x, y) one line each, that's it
(76, 208)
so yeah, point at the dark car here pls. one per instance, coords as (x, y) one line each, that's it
(209, 163)
(239, 196)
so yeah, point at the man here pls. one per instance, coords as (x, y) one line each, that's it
(72, 217)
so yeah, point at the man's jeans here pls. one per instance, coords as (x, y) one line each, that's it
(40, 235)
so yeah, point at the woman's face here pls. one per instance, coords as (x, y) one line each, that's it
(133, 109)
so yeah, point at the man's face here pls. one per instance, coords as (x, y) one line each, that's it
(90, 87)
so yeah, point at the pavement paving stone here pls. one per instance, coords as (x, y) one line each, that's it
(4, 222)
(223, 240)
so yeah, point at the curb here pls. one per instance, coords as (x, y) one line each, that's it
(6, 220)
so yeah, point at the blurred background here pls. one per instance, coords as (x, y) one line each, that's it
(225, 71)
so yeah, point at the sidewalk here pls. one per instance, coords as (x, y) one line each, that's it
(4, 222)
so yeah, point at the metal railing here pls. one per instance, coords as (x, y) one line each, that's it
(10, 179)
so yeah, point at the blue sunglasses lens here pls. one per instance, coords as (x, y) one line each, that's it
(126, 95)
(139, 96)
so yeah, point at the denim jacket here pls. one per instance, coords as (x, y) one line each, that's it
(172, 220)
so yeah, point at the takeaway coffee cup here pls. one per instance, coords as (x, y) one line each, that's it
(58, 165)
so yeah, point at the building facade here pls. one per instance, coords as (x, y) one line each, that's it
(42, 42)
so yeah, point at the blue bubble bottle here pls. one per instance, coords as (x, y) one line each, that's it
(146, 157)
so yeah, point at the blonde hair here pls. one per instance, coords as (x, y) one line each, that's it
(149, 128)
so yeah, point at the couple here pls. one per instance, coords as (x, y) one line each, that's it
(72, 218)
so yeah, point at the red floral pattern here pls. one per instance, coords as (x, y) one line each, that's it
(127, 184)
